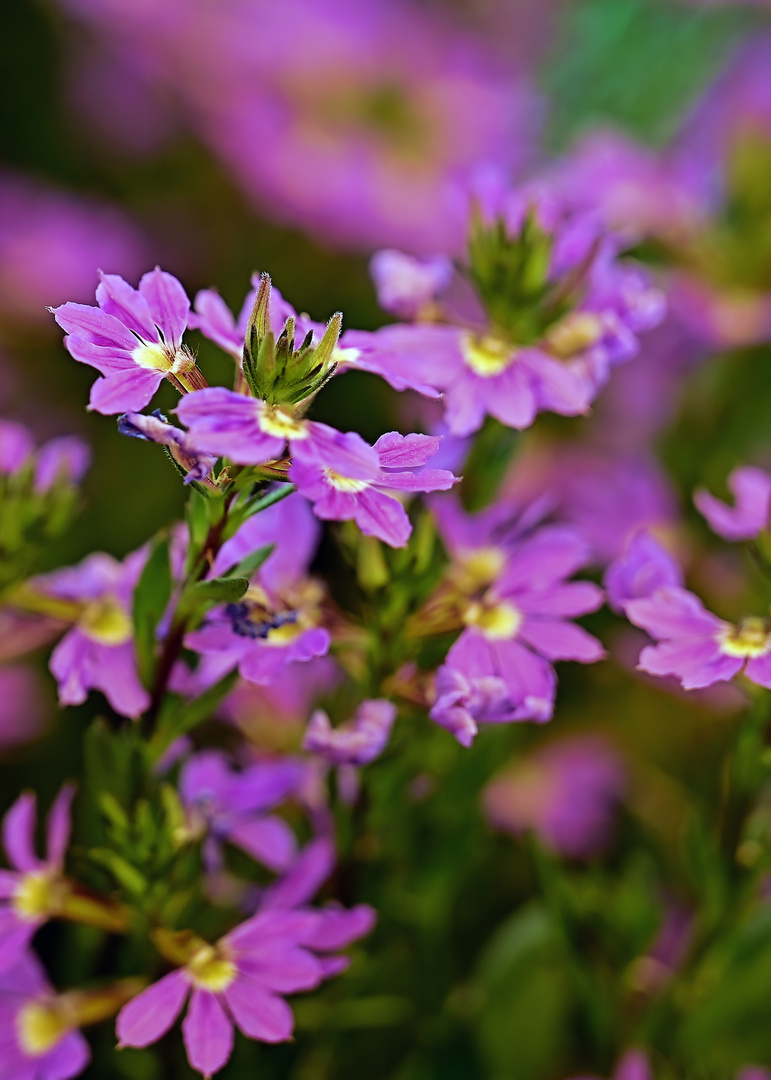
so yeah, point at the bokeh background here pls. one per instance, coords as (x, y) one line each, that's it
(221, 137)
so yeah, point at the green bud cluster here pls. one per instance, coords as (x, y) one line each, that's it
(274, 369)
(30, 520)
(511, 276)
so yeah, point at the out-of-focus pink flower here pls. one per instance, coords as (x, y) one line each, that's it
(357, 121)
(29, 893)
(697, 646)
(644, 567)
(40, 1041)
(98, 651)
(51, 244)
(748, 517)
(566, 793)
(357, 742)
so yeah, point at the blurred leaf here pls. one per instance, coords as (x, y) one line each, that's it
(151, 598)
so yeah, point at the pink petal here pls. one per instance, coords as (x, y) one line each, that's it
(282, 970)
(19, 834)
(67, 1059)
(114, 672)
(573, 598)
(510, 398)
(207, 1033)
(558, 640)
(673, 612)
(311, 869)
(405, 451)
(118, 298)
(695, 663)
(751, 489)
(269, 840)
(168, 304)
(425, 480)
(381, 516)
(150, 1015)
(14, 940)
(554, 552)
(91, 324)
(257, 1013)
(59, 826)
(8, 884)
(126, 391)
(759, 670)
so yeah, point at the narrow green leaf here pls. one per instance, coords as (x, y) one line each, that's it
(151, 598)
(252, 563)
(224, 590)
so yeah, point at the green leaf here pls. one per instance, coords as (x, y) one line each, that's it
(252, 563)
(124, 873)
(270, 499)
(223, 590)
(151, 598)
(197, 517)
(186, 715)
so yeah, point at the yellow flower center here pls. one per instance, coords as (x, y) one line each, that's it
(574, 334)
(39, 1028)
(752, 637)
(344, 483)
(105, 621)
(283, 635)
(486, 356)
(210, 970)
(152, 356)
(478, 567)
(496, 621)
(282, 425)
(158, 357)
(34, 895)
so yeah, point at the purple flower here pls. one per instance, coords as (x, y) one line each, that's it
(495, 357)
(241, 981)
(479, 544)
(196, 464)
(499, 669)
(61, 461)
(245, 429)
(566, 793)
(346, 479)
(406, 286)
(278, 620)
(16, 447)
(30, 893)
(748, 517)
(697, 646)
(357, 742)
(36, 1035)
(644, 567)
(480, 375)
(98, 652)
(133, 338)
(227, 805)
